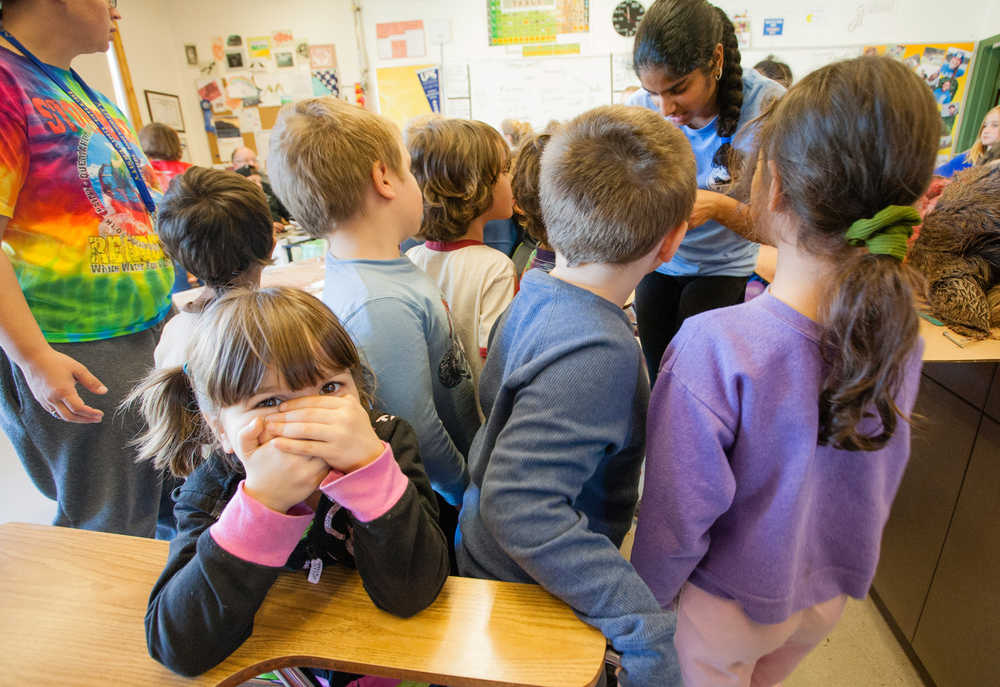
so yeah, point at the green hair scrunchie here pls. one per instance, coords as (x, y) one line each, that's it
(887, 233)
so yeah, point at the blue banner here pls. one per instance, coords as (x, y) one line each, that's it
(431, 83)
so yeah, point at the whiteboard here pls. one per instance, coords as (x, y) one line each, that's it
(538, 89)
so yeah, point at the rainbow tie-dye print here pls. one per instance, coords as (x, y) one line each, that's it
(83, 246)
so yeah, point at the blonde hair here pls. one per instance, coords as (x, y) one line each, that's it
(614, 181)
(516, 131)
(321, 156)
(978, 152)
(160, 142)
(456, 163)
(242, 335)
(417, 123)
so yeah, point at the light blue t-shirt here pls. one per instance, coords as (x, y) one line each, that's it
(711, 249)
(401, 322)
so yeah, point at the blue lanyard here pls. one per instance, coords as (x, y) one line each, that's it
(117, 141)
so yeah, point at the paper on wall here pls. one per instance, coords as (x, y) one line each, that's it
(240, 85)
(398, 39)
(296, 84)
(263, 141)
(323, 56)
(269, 87)
(282, 39)
(250, 119)
(456, 80)
(227, 146)
(259, 46)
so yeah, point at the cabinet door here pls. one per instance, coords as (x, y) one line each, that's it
(940, 447)
(958, 638)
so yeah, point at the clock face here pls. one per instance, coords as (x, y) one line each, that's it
(627, 16)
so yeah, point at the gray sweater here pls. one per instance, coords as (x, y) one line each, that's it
(555, 469)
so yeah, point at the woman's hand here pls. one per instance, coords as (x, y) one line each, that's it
(276, 478)
(52, 377)
(334, 428)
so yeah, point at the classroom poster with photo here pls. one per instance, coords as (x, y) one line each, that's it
(944, 67)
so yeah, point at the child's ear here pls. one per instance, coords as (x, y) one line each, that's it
(220, 433)
(383, 179)
(671, 241)
(517, 208)
(775, 194)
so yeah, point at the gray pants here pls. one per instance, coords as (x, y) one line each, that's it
(89, 470)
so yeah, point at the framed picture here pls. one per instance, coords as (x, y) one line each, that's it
(165, 109)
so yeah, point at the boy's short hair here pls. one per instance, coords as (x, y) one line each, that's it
(216, 224)
(614, 181)
(524, 184)
(456, 163)
(321, 156)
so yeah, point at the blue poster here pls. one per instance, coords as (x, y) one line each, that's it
(430, 81)
(774, 27)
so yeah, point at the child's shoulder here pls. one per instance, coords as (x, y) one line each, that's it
(171, 350)
(749, 339)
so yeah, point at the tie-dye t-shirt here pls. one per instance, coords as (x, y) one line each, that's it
(82, 243)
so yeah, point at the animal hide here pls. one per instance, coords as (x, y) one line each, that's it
(958, 251)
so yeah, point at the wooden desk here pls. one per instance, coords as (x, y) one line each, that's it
(73, 603)
(939, 349)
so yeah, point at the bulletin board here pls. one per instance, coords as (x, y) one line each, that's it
(243, 88)
(945, 69)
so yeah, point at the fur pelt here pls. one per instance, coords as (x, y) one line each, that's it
(958, 250)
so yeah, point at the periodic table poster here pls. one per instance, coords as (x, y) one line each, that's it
(513, 22)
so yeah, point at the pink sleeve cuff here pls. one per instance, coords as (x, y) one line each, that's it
(370, 491)
(250, 530)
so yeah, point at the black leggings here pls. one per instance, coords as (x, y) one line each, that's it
(662, 303)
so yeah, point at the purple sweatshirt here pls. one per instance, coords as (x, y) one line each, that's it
(740, 499)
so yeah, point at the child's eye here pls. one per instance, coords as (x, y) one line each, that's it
(272, 402)
(331, 387)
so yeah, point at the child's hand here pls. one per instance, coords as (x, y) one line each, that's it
(334, 428)
(276, 478)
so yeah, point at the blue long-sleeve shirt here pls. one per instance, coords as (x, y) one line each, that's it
(400, 321)
(555, 469)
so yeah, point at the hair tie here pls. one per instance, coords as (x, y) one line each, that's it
(887, 233)
(184, 369)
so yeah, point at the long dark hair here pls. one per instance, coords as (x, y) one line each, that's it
(680, 36)
(847, 141)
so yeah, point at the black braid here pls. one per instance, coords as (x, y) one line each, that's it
(730, 95)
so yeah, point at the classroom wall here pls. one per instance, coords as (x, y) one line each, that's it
(154, 33)
(836, 29)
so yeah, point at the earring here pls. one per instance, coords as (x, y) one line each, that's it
(718, 75)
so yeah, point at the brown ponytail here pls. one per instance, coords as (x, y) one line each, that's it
(870, 330)
(175, 428)
(848, 140)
